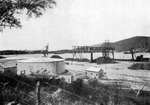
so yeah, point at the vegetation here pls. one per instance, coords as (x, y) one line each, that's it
(10, 9)
(13, 90)
(56, 56)
(102, 60)
(21, 89)
(14, 52)
(142, 66)
(78, 59)
(138, 43)
(62, 51)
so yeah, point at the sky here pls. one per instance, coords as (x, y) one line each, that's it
(80, 22)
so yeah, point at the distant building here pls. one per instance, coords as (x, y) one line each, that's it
(94, 73)
(10, 64)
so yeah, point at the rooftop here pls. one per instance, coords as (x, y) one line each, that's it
(14, 58)
(93, 69)
(41, 60)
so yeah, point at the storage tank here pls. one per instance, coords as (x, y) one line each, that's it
(48, 66)
(11, 61)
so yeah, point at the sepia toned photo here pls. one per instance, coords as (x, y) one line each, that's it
(74, 52)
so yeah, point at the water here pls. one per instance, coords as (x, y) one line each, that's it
(117, 55)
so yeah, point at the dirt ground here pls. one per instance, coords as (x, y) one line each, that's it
(135, 79)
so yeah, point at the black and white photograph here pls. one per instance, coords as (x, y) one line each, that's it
(74, 52)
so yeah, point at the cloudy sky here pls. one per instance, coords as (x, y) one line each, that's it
(80, 22)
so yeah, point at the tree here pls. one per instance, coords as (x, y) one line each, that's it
(132, 52)
(10, 8)
(132, 47)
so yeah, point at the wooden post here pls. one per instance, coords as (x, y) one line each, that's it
(91, 56)
(113, 54)
(132, 53)
(38, 93)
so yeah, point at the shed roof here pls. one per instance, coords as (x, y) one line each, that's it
(93, 69)
(40, 60)
(107, 45)
(14, 58)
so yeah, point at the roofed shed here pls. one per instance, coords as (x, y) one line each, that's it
(93, 72)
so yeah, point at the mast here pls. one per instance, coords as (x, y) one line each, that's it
(45, 52)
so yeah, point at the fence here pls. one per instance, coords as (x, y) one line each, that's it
(25, 93)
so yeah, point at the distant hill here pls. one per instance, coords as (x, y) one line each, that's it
(139, 43)
(97, 45)
(14, 52)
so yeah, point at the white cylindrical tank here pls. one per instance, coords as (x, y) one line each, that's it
(11, 61)
(48, 66)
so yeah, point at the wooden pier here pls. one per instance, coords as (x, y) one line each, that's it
(106, 48)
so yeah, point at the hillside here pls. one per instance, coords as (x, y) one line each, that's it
(140, 43)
